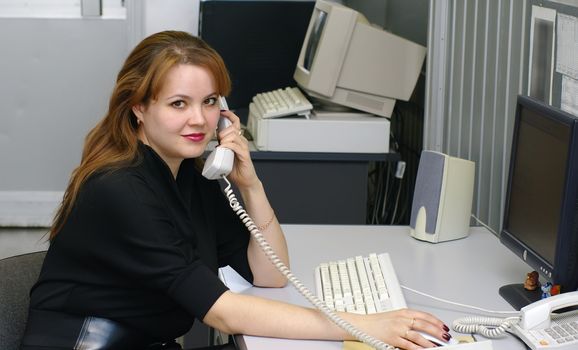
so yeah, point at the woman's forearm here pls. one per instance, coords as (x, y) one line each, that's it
(244, 314)
(258, 207)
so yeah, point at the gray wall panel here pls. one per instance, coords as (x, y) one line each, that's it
(483, 61)
(56, 76)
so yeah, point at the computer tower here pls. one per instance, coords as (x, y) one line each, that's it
(442, 201)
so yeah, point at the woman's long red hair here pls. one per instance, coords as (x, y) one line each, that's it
(113, 142)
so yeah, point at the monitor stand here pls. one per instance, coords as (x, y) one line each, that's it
(328, 106)
(518, 297)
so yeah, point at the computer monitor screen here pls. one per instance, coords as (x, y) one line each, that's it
(313, 40)
(540, 218)
(259, 41)
(346, 61)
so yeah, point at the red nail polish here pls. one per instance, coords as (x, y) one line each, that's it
(446, 336)
(446, 328)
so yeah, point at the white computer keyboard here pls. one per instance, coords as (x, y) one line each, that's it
(359, 284)
(280, 103)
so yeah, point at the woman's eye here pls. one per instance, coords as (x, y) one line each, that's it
(211, 101)
(178, 104)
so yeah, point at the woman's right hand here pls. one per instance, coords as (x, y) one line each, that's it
(400, 328)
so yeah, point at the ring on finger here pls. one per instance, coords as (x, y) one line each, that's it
(240, 132)
(412, 323)
(406, 334)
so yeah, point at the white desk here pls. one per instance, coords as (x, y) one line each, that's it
(468, 271)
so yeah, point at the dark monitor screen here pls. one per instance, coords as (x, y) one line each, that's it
(314, 38)
(259, 41)
(537, 182)
(541, 208)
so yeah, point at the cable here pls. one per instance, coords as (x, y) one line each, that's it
(483, 224)
(396, 202)
(377, 196)
(385, 195)
(489, 327)
(459, 304)
(301, 288)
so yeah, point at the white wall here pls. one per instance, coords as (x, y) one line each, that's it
(55, 79)
(146, 17)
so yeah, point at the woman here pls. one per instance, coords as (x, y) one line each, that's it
(140, 234)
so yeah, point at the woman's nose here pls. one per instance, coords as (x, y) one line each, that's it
(197, 117)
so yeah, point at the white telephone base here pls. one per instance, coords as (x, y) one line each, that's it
(549, 338)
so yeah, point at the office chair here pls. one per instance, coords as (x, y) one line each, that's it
(17, 275)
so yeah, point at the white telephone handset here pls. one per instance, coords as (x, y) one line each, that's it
(220, 162)
(537, 315)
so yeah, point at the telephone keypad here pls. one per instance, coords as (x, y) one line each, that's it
(563, 333)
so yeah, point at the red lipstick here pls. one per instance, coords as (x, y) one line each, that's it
(195, 137)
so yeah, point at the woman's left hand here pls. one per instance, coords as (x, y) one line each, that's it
(243, 173)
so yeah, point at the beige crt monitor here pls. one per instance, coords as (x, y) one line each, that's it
(345, 60)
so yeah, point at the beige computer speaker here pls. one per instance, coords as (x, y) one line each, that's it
(442, 199)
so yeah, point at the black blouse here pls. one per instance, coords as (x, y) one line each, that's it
(143, 249)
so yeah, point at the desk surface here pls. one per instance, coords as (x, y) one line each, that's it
(467, 271)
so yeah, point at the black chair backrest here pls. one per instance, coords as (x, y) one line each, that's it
(17, 275)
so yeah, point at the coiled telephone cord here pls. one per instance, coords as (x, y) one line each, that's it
(489, 327)
(301, 288)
